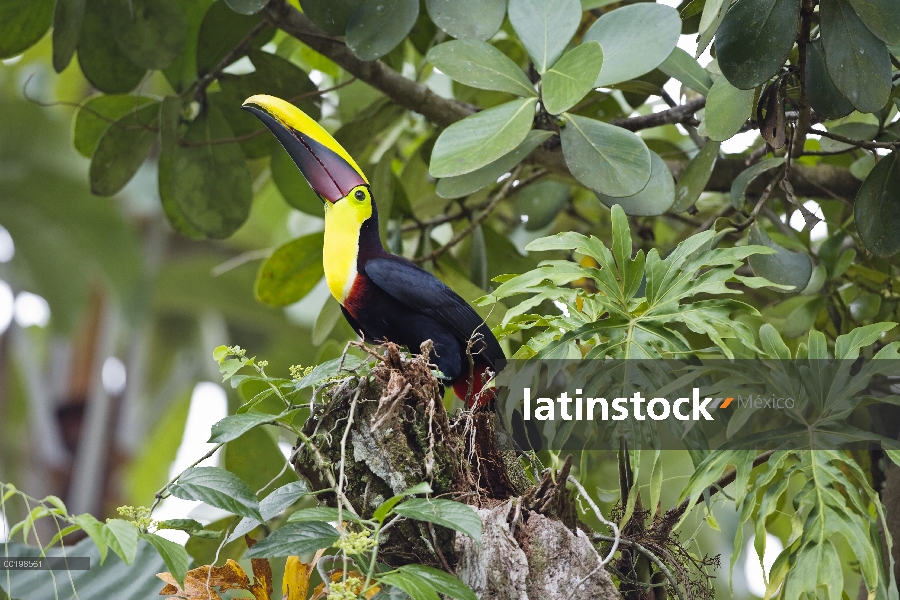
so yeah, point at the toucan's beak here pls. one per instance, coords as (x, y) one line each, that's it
(330, 171)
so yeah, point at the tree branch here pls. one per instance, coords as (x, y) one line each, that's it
(683, 114)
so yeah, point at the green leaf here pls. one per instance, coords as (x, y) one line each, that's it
(22, 24)
(234, 426)
(331, 16)
(463, 185)
(122, 538)
(67, 18)
(122, 150)
(292, 185)
(608, 159)
(151, 33)
(321, 514)
(469, 19)
(742, 181)
(784, 267)
(727, 109)
(207, 180)
(635, 39)
(385, 508)
(97, 114)
(657, 196)
(271, 506)
(99, 56)
(881, 17)
(857, 61)
(877, 207)
(480, 65)
(222, 30)
(376, 28)
(571, 78)
(755, 39)
(247, 7)
(695, 176)
(416, 588)
(94, 529)
(291, 272)
(853, 130)
(450, 514)
(824, 96)
(169, 124)
(847, 346)
(174, 555)
(443, 583)
(219, 488)
(772, 343)
(541, 203)
(329, 369)
(713, 14)
(293, 539)
(544, 28)
(325, 322)
(682, 66)
(482, 138)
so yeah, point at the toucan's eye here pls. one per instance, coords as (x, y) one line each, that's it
(360, 195)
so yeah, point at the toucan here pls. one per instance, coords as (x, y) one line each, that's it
(383, 296)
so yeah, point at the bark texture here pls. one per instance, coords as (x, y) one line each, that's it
(391, 431)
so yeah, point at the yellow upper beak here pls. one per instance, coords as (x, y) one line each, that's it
(330, 170)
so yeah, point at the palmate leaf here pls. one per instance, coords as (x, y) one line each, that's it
(614, 320)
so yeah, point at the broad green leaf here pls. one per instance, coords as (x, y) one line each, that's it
(772, 343)
(247, 7)
(847, 346)
(695, 176)
(852, 130)
(463, 185)
(222, 30)
(544, 27)
(208, 180)
(894, 455)
(122, 538)
(271, 506)
(635, 39)
(219, 488)
(571, 77)
(291, 272)
(325, 322)
(862, 166)
(169, 135)
(122, 150)
(824, 97)
(450, 514)
(97, 115)
(256, 459)
(94, 529)
(415, 587)
(857, 61)
(376, 28)
(174, 555)
(482, 138)
(442, 582)
(151, 33)
(99, 56)
(321, 514)
(234, 426)
(608, 159)
(655, 199)
(67, 18)
(481, 65)
(742, 181)
(292, 185)
(881, 17)
(329, 369)
(384, 509)
(183, 70)
(540, 203)
(784, 267)
(331, 16)
(293, 539)
(755, 39)
(713, 14)
(682, 66)
(22, 24)
(468, 19)
(877, 208)
(727, 109)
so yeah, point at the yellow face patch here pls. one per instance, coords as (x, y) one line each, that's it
(343, 221)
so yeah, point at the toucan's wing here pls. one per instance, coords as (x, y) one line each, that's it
(424, 293)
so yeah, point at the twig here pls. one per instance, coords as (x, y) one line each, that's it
(653, 558)
(858, 143)
(799, 137)
(616, 535)
(160, 494)
(679, 114)
(197, 89)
